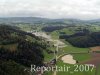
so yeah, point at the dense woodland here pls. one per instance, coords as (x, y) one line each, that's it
(24, 54)
(83, 39)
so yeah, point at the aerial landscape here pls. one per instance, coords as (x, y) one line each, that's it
(46, 43)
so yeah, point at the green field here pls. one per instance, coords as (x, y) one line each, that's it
(72, 71)
(70, 50)
(79, 54)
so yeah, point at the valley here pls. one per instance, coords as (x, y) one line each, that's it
(68, 43)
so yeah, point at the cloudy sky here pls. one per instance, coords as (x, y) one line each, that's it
(80, 9)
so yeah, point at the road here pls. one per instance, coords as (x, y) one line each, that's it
(57, 43)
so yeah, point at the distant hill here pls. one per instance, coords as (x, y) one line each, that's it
(46, 21)
(43, 20)
(23, 20)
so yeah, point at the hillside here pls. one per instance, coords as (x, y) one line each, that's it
(18, 50)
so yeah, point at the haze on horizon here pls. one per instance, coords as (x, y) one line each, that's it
(80, 9)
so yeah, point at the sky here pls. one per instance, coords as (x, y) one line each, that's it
(80, 9)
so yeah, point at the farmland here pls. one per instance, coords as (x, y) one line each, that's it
(79, 54)
(82, 55)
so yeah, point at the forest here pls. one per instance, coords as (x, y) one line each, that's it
(83, 39)
(25, 52)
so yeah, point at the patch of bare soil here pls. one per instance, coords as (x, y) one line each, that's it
(68, 59)
(97, 48)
